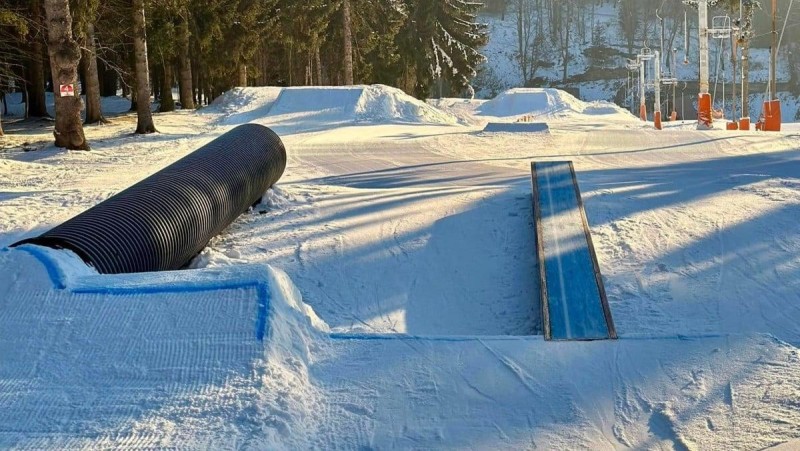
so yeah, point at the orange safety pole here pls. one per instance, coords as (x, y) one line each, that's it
(704, 109)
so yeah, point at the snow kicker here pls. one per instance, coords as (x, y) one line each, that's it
(160, 223)
(573, 299)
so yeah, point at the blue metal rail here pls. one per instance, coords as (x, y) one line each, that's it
(574, 303)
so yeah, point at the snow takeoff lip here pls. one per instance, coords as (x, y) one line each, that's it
(574, 304)
(160, 223)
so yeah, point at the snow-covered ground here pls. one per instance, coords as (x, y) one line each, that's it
(407, 232)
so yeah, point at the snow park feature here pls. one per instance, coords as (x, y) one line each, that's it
(546, 104)
(573, 298)
(516, 127)
(162, 222)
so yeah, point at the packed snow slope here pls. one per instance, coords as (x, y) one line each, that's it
(414, 318)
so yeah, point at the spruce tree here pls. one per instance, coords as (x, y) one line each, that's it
(440, 40)
(144, 123)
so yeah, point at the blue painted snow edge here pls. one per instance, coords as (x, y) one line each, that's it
(251, 276)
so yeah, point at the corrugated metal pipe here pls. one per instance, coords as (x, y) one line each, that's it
(162, 222)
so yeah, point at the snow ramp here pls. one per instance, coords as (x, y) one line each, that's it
(373, 104)
(545, 102)
(243, 105)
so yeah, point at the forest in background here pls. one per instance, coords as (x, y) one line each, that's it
(205, 47)
(147, 48)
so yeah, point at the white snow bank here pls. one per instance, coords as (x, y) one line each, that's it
(547, 102)
(304, 107)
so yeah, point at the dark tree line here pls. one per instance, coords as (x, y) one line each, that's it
(145, 48)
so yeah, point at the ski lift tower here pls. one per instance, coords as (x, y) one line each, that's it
(633, 67)
(704, 97)
(642, 58)
(657, 87)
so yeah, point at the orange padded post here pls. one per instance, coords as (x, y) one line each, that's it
(772, 116)
(657, 119)
(744, 123)
(673, 116)
(732, 126)
(643, 113)
(704, 109)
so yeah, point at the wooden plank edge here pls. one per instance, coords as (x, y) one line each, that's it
(537, 224)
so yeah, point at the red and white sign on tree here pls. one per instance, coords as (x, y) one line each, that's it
(67, 91)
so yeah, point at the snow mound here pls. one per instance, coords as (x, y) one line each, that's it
(243, 105)
(379, 103)
(373, 104)
(547, 102)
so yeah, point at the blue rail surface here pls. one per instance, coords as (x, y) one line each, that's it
(574, 305)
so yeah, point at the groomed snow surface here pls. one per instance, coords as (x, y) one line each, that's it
(383, 295)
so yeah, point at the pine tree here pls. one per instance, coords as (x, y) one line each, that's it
(65, 55)
(347, 33)
(85, 14)
(12, 28)
(440, 40)
(144, 114)
(35, 78)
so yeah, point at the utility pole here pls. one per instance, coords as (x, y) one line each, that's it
(657, 84)
(642, 92)
(704, 98)
(773, 63)
(702, 8)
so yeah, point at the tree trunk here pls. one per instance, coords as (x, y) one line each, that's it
(196, 83)
(145, 116)
(318, 65)
(241, 75)
(201, 85)
(156, 82)
(167, 102)
(565, 73)
(65, 55)
(348, 43)
(37, 106)
(94, 113)
(185, 78)
(109, 80)
(746, 79)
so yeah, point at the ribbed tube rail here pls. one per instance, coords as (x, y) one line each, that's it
(162, 222)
